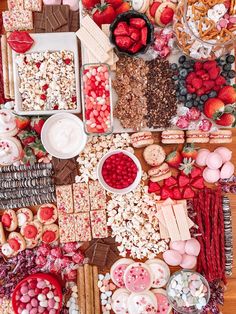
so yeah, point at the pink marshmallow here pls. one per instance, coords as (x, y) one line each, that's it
(51, 2)
(74, 4)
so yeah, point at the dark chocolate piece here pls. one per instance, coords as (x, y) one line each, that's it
(100, 254)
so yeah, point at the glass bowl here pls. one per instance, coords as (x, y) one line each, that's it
(181, 306)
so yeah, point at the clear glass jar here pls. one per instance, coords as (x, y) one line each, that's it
(198, 36)
(96, 101)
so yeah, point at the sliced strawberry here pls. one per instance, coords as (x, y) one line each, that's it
(209, 64)
(176, 193)
(196, 172)
(171, 181)
(136, 47)
(183, 180)
(48, 236)
(46, 213)
(153, 187)
(144, 32)
(30, 231)
(198, 183)
(188, 193)
(14, 244)
(166, 193)
(135, 35)
(137, 22)
(214, 73)
(122, 28)
(123, 42)
(198, 65)
(6, 220)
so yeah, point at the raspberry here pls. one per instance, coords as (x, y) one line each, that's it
(216, 88)
(190, 77)
(213, 73)
(197, 83)
(209, 64)
(209, 84)
(201, 91)
(220, 80)
(198, 66)
(190, 89)
(199, 73)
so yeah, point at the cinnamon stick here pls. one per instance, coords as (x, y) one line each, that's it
(10, 71)
(88, 289)
(97, 309)
(81, 289)
(5, 67)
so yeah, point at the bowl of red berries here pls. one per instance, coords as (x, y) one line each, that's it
(132, 33)
(119, 171)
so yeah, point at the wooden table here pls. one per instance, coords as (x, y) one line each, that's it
(230, 294)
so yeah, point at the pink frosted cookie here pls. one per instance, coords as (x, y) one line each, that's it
(142, 303)
(160, 271)
(162, 301)
(138, 277)
(119, 302)
(118, 269)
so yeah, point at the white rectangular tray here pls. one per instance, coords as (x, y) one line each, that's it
(49, 42)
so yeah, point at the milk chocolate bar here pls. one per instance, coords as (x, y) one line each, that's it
(57, 18)
(100, 254)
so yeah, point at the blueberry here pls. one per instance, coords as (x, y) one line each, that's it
(189, 96)
(194, 96)
(198, 98)
(182, 98)
(224, 74)
(201, 102)
(182, 59)
(220, 61)
(175, 77)
(230, 59)
(195, 103)
(174, 66)
(227, 67)
(183, 73)
(212, 94)
(189, 104)
(192, 62)
(181, 83)
(183, 91)
(177, 93)
(200, 107)
(187, 64)
(231, 74)
(204, 97)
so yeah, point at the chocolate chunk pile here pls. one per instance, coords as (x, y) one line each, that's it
(65, 170)
(56, 18)
(146, 93)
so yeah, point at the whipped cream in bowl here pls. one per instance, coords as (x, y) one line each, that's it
(63, 135)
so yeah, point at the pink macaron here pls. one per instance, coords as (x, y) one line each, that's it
(188, 261)
(52, 2)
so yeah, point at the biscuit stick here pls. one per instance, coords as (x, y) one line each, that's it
(10, 71)
(88, 288)
(4, 66)
(81, 289)
(96, 297)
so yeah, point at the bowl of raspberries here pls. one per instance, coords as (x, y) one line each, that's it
(132, 33)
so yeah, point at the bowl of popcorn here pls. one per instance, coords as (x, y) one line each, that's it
(37, 293)
(119, 171)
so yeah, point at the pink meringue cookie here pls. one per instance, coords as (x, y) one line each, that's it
(214, 161)
(172, 258)
(74, 4)
(178, 246)
(227, 170)
(211, 175)
(188, 261)
(202, 156)
(52, 2)
(225, 153)
(192, 247)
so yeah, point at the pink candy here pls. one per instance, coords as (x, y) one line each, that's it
(97, 102)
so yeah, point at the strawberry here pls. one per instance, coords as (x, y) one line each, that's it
(89, 4)
(123, 42)
(136, 47)
(38, 149)
(14, 244)
(201, 91)
(227, 94)
(28, 156)
(6, 220)
(190, 77)
(170, 181)
(196, 172)
(213, 108)
(176, 193)
(198, 65)
(226, 119)
(27, 137)
(197, 83)
(186, 166)
(36, 124)
(214, 73)
(174, 159)
(144, 32)
(189, 151)
(22, 122)
(122, 28)
(135, 35)
(104, 14)
(188, 193)
(220, 80)
(209, 65)
(153, 187)
(115, 3)
(194, 114)
(124, 7)
(166, 193)
(198, 183)
(190, 89)
(208, 84)
(153, 8)
(167, 16)
(137, 22)
(183, 180)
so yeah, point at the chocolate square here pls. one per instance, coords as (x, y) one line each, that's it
(100, 254)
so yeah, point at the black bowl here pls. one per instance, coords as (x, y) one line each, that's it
(125, 17)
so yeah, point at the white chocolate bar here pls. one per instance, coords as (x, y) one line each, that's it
(82, 228)
(97, 196)
(171, 223)
(15, 4)
(181, 218)
(33, 5)
(163, 231)
(81, 197)
(64, 199)
(66, 228)
(17, 20)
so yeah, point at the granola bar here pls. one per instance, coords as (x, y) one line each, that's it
(64, 199)
(81, 197)
(97, 196)
(99, 224)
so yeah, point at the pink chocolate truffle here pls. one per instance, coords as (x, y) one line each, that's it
(178, 246)
(224, 152)
(202, 156)
(214, 161)
(172, 258)
(192, 247)
(188, 261)
(227, 170)
(211, 175)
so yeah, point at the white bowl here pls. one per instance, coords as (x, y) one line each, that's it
(130, 187)
(61, 142)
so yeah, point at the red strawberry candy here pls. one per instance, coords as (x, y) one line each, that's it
(135, 35)
(167, 16)
(198, 183)
(153, 187)
(137, 22)
(188, 193)
(196, 172)
(214, 73)
(194, 114)
(166, 193)
(123, 42)
(183, 180)
(122, 28)
(197, 83)
(136, 47)
(176, 193)
(144, 32)
(170, 181)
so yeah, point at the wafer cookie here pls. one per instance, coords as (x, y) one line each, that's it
(5, 67)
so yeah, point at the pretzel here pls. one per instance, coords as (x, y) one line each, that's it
(232, 7)
(225, 35)
(210, 26)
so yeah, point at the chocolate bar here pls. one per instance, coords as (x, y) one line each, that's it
(57, 18)
(74, 21)
(65, 170)
(100, 254)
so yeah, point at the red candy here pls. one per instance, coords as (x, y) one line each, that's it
(97, 103)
